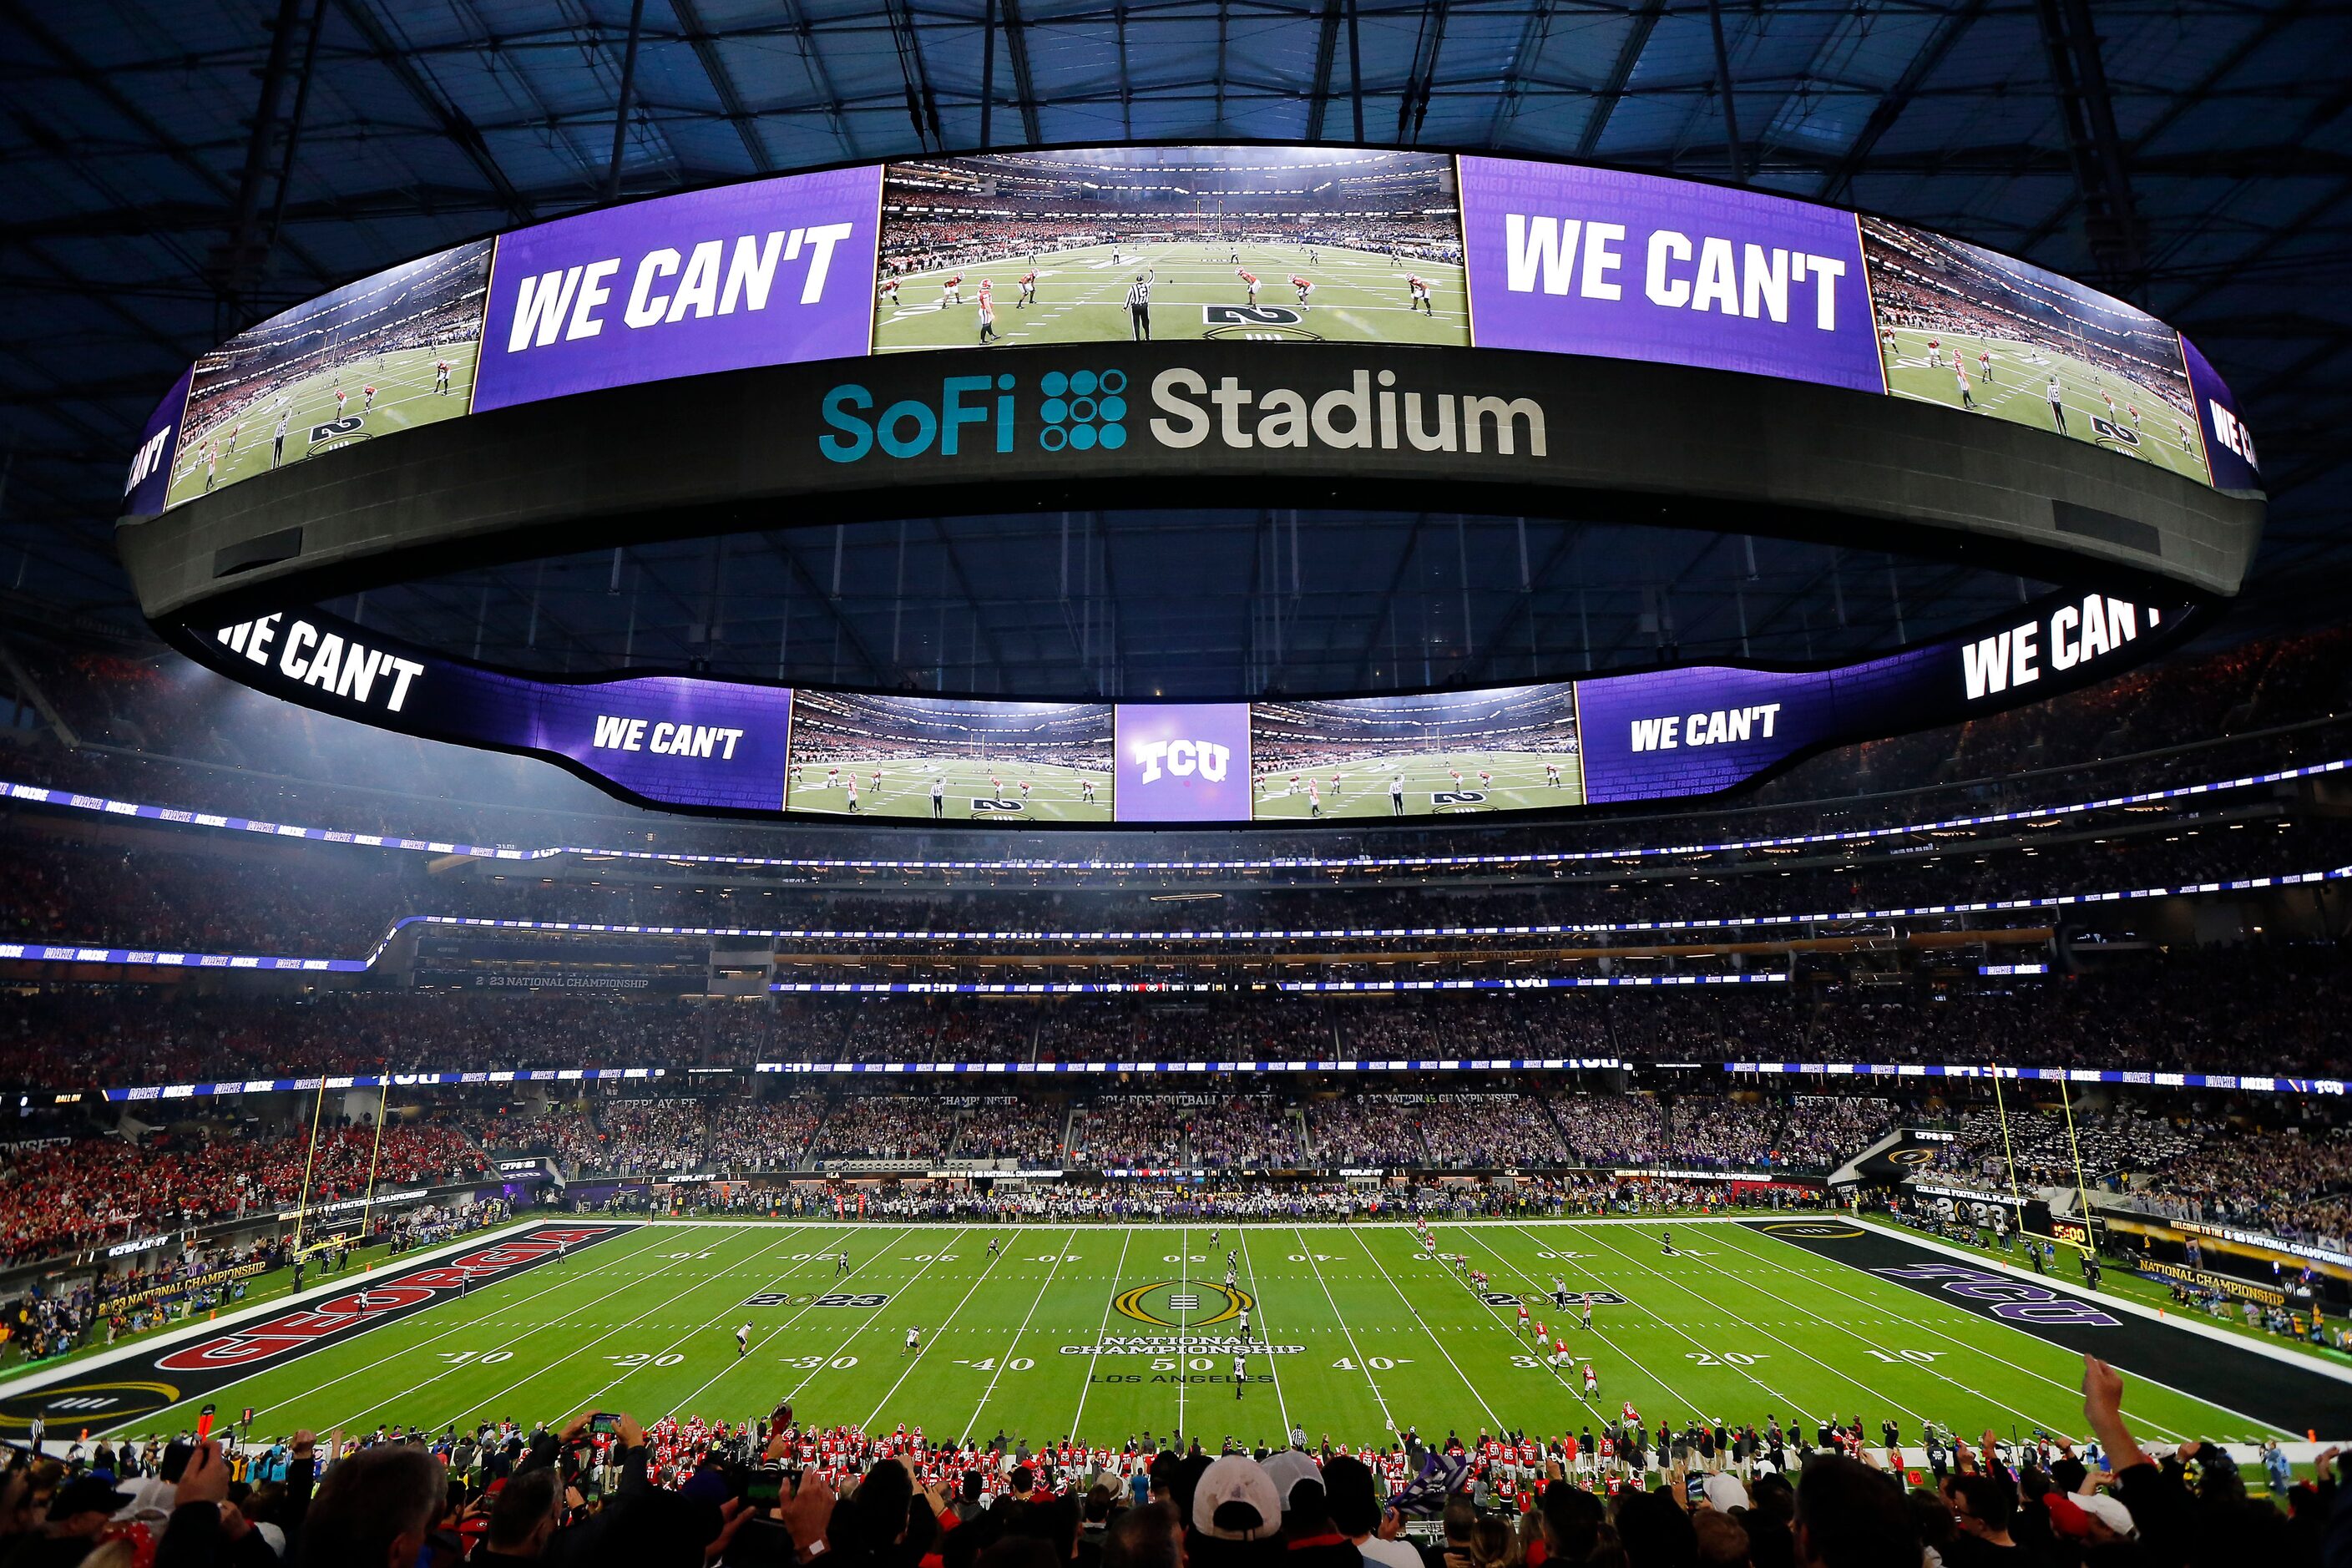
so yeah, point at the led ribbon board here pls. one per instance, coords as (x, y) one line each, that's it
(733, 748)
(1326, 324)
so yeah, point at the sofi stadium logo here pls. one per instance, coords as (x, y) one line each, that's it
(1088, 410)
(1077, 411)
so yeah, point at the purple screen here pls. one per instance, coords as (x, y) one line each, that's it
(770, 272)
(1595, 261)
(2229, 445)
(1183, 762)
(151, 466)
(1696, 731)
(669, 737)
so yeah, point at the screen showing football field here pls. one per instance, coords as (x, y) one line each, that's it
(388, 352)
(1345, 244)
(1504, 748)
(1977, 331)
(866, 754)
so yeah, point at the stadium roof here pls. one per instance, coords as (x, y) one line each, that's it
(177, 172)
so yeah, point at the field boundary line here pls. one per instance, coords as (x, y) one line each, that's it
(2060, 1384)
(506, 1345)
(475, 1320)
(76, 1367)
(2119, 1304)
(629, 1372)
(1718, 1307)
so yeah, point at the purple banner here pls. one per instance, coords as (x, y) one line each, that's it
(1565, 260)
(2229, 445)
(151, 466)
(670, 739)
(770, 272)
(1183, 762)
(1696, 731)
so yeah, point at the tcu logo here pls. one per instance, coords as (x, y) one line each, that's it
(1184, 758)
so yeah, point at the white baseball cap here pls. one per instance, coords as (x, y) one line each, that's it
(1235, 1501)
(1286, 1469)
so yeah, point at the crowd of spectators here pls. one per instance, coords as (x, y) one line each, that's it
(70, 1193)
(898, 1128)
(762, 1135)
(187, 890)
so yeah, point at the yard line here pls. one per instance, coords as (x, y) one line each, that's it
(922, 1351)
(1273, 1362)
(1757, 1326)
(769, 1338)
(1341, 1320)
(562, 1280)
(961, 1233)
(727, 1310)
(1433, 1340)
(1183, 1317)
(1055, 1268)
(1512, 1329)
(1094, 1353)
(571, 1350)
(1664, 1322)
(2144, 1423)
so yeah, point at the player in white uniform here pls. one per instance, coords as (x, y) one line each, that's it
(914, 1339)
(742, 1342)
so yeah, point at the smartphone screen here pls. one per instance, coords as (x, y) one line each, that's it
(602, 1423)
(764, 1488)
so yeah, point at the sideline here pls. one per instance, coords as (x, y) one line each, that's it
(80, 1366)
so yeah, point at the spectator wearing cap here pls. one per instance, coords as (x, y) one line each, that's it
(1310, 1540)
(77, 1515)
(1236, 1517)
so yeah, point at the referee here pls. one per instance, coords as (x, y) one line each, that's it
(1138, 306)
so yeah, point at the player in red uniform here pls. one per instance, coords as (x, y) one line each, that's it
(951, 291)
(1028, 288)
(1303, 286)
(368, 394)
(1416, 294)
(1249, 281)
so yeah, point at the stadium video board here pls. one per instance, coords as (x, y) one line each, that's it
(1279, 246)
(740, 748)
(857, 754)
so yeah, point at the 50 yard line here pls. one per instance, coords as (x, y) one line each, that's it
(1273, 1362)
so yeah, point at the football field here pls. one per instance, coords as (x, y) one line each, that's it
(1515, 781)
(976, 792)
(404, 397)
(1105, 1331)
(2019, 392)
(1358, 297)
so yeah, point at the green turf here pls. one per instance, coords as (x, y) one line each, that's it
(1057, 793)
(1519, 785)
(404, 397)
(2120, 1280)
(1359, 297)
(2019, 393)
(1736, 1325)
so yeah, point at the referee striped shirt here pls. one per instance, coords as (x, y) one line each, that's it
(1139, 293)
